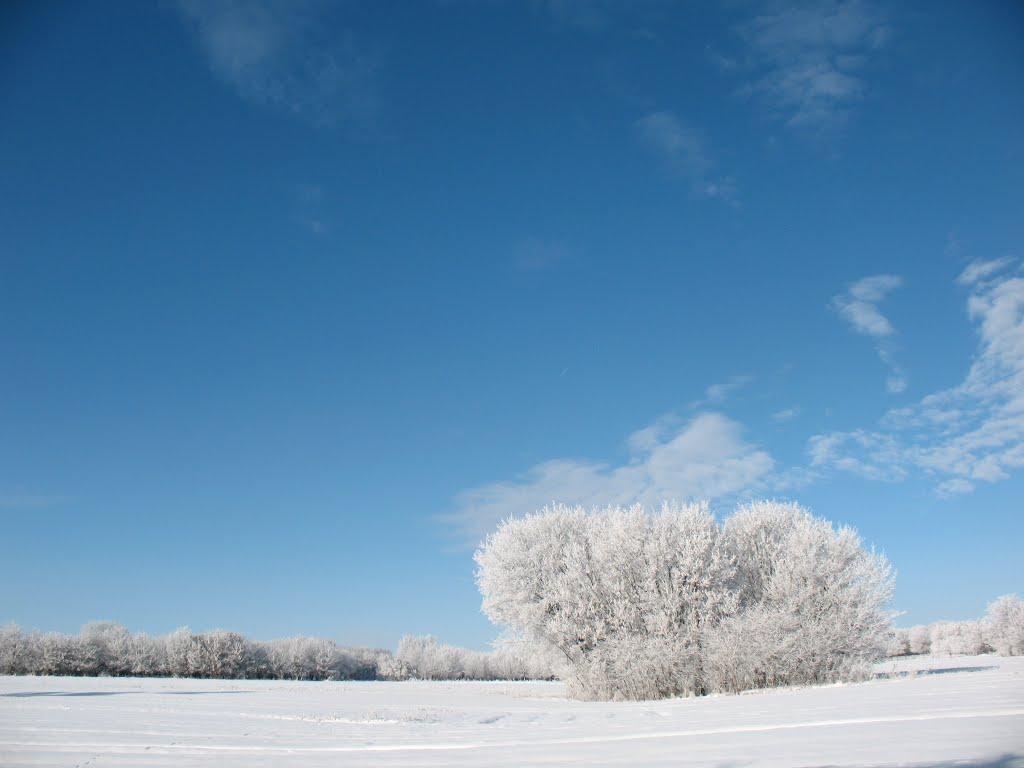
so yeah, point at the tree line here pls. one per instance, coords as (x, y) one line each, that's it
(1000, 631)
(107, 648)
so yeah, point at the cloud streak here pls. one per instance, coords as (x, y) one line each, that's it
(723, 390)
(811, 58)
(859, 307)
(704, 458)
(684, 152)
(787, 414)
(971, 433)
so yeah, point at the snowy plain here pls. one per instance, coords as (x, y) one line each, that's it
(920, 711)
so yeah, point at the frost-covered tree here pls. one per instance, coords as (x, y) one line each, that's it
(146, 656)
(899, 642)
(177, 651)
(612, 591)
(1004, 624)
(642, 606)
(109, 643)
(218, 653)
(812, 602)
(15, 655)
(389, 667)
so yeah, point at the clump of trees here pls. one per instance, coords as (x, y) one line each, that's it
(106, 648)
(640, 605)
(1000, 631)
(1004, 625)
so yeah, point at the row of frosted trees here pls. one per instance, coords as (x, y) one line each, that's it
(424, 658)
(1000, 631)
(642, 606)
(106, 648)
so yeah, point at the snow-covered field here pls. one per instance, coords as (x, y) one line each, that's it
(953, 711)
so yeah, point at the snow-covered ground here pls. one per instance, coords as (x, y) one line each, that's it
(921, 711)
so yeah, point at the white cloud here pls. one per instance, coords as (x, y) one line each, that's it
(787, 414)
(706, 458)
(953, 487)
(970, 433)
(979, 271)
(277, 53)
(684, 152)
(720, 392)
(859, 307)
(811, 57)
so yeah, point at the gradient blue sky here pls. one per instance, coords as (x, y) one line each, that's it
(298, 299)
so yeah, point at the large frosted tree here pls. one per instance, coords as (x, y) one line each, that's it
(646, 605)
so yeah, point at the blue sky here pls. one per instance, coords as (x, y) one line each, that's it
(300, 298)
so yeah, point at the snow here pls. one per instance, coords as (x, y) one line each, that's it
(918, 711)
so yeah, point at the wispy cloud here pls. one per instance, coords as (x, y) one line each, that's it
(971, 433)
(705, 458)
(684, 152)
(859, 307)
(811, 58)
(787, 414)
(978, 272)
(723, 390)
(279, 54)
